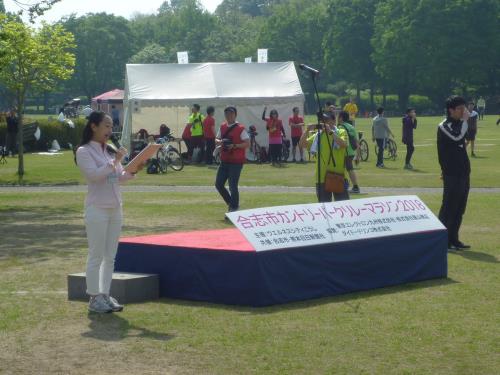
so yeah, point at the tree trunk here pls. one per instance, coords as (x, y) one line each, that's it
(372, 96)
(20, 136)
(384, 98)
(403, 98)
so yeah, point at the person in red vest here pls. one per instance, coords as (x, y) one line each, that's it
(274, 126)
(209, 134)
(232, 141)
(296, 124)
(186, 137)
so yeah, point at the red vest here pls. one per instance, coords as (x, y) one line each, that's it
(237, 155)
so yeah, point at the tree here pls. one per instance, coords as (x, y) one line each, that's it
(151, 54)
(347, 43)
(36, 61)
(104, 43)
(35, 9)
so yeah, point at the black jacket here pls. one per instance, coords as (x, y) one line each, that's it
(451, 147)
(12, 125)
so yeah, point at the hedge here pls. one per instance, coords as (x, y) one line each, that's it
(50, 130)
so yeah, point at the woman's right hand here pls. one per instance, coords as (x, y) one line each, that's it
(120, 154)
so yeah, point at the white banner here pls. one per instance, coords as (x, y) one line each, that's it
(248, 60)
(283, 227)
(182, 57)
(262, 55)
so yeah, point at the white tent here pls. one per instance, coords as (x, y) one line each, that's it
(164, 93)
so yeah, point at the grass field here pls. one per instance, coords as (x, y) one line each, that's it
(60, 169)
(445, 326)
(448, 326)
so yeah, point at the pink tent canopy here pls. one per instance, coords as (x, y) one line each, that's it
(115, 95)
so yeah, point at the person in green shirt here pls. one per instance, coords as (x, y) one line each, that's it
(195, 121)
(352, 149)
(333, 141)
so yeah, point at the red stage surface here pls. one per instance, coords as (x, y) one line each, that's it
(222, 239)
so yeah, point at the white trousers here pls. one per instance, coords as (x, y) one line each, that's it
(103, 226)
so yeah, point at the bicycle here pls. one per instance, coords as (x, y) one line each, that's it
(390, 149)
(168, 155)
(285, 149)
(363, 147)
(255, 149)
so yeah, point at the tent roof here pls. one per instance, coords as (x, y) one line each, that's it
(212, 80)
(115, 94)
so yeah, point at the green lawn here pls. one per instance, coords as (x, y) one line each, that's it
(485, 168)
(448, 326)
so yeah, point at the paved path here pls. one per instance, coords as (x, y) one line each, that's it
(211, 189)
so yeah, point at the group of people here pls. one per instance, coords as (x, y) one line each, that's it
(332, 142)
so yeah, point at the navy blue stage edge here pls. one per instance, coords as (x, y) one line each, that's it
(265, 278)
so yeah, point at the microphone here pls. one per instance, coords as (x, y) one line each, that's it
(115, 141)
(309, 69)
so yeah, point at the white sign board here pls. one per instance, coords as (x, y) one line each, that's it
(319, 223)
(182, 57)
(248, 60)
(262, 55)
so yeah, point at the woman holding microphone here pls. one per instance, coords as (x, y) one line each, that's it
(103, 208)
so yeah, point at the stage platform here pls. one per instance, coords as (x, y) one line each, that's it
(221, 266)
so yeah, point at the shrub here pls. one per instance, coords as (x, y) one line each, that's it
(50, 130)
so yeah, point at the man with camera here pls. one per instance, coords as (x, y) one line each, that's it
(331, 142)
(232, 140)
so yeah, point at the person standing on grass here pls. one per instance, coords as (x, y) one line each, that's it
(103, 208)
(209, 135)
(409, 124)
(352, 149)
(12, 130)
(352, 109)
(296, 124)
(195, 122)
(471, 128)
(233, 141)
(380, 133)
(331, 155)
(481, 107)
(455, 168)
(186, 137)
(275, 129)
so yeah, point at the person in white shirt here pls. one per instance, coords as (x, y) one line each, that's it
(103, 172)
(481, 107)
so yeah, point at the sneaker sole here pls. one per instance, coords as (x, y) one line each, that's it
(100, 312)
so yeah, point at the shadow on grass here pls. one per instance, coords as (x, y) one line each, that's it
(478, 256)
(38, 233)
(353, 300)
(112, 327)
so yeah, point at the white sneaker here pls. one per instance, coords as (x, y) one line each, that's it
(99, 305)
(113, 303)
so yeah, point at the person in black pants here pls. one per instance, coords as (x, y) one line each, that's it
(409, 124)
(232, 140)
(455, 167)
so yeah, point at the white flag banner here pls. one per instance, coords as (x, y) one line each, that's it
(262, 55)
(182, 57)
(284, 227)
(248, 60)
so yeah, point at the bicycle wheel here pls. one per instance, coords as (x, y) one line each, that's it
(364, 151)
(285, 153)
(392, 149)
(175, 160)
(161, 156)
